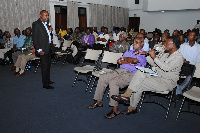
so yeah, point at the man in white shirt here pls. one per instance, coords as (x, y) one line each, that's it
(191, 55)
(116, 34)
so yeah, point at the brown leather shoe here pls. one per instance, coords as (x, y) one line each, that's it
(22, 74)
(121, 99)
(128, 112)
(15, 73)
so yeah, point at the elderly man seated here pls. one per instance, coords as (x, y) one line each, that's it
(167, 67)
(27, 54)
(121, 46)
(119, 78)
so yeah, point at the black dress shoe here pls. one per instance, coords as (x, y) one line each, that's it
(51, 82)
(121, 99)
(48, 87)
(128, 112)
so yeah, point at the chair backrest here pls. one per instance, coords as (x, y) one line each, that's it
(187, 69)
(110, 57)
(67, 43)
(197, 71)
(92, 54)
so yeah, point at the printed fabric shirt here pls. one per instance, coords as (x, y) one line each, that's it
(119, 47)
(88, 39)
(130, 67)
(76, 37)
(28, 44)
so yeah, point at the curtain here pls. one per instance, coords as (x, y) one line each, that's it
(72, 14)
(20, 13)
(108, 16)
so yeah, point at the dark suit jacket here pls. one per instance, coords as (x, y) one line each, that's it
(40, 37)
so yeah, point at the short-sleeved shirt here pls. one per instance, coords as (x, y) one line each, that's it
(191, 54)
(132, 68)
(19, 41)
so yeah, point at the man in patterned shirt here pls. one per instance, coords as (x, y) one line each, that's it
(120, 46)
(76, 36)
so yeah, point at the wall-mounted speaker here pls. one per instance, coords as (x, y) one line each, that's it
(136, 1)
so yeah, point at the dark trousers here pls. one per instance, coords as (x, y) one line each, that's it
(45, 68)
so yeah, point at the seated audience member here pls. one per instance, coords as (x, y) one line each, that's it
(76, 36)
(160, 48)
(181, 32)
(95, 33)
(3, 41)
(1, 37)
(88, 39)
(191, 55)
(69, 32)
(145, 46)
(56, 40)
(102, 39)
(17, 44)
(116, 34)
(121, 46)
(167, 67)
(182, 39)
(86, 42)
(28, 53)
(197, 26)
(24, 32)
(156, 39)
(9, 45)
(175, 33)
(102, 31)
(120, 77)
(62, 31)
(113, 31)
(82, 31)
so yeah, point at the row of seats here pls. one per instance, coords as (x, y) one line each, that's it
(92, 72)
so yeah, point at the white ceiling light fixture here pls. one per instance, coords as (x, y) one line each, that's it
(162, 11)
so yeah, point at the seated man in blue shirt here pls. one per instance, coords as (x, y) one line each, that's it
(119, 78)
(17, 44)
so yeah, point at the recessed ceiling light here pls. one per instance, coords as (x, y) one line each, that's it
(162, 11)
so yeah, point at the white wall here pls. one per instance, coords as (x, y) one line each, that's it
(157, 5)
(181, 20)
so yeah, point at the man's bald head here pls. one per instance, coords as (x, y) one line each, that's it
(44, 16)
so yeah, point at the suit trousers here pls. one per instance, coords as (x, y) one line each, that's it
(45, 68)
(144, 82)
(118, 78)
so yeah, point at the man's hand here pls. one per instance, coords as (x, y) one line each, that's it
(41, 53)
(83, 43)
(103, 40)
(152, 53)
(185, 61)
(142, 52)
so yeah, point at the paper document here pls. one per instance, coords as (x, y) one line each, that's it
(147, 70)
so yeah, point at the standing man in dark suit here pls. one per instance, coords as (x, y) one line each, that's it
(42, 40)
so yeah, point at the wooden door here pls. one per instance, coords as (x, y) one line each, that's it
(61, 19)
(82, 17)
(134, 23)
